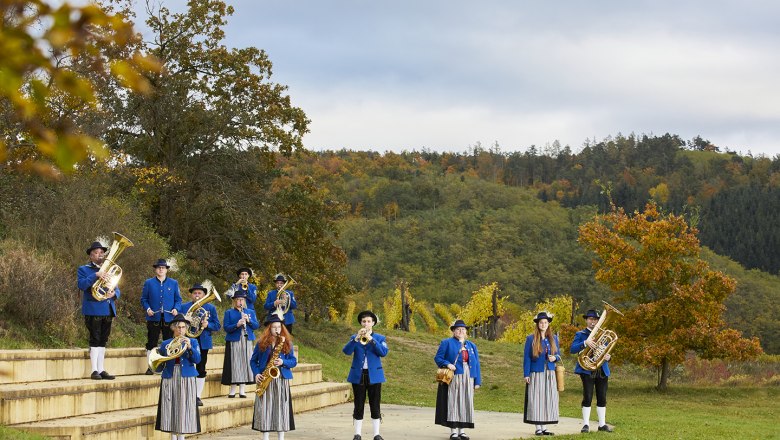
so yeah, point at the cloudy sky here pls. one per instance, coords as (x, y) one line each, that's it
(446, 74)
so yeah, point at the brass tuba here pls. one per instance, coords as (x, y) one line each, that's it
(175, 349)
(282, 295)
(271, 371)
(110, 268)
(196, 314)
(590, 358)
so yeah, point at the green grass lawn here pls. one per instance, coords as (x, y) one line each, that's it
(635, 408)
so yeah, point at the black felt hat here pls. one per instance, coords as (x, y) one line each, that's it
(96, 245)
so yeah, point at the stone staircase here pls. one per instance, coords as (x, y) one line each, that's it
(45, 391)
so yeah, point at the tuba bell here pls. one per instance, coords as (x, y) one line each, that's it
(110, 268)
(284, 297)
(196, 314)
(175, 349)
(592, 358)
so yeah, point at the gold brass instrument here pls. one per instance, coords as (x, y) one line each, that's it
(362, 336)
(197, 314)
(244, 285)
(175, 349)
(592, 358)
(271, 371)
(284, 297)
(110, 268)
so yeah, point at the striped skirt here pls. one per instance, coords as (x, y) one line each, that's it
(455, 402)
(177, 409)
(273, 410)
(541, 399)
(236, 368)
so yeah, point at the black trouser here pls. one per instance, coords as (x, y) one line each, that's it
(374, 397)
(599, 380)
(204, 356)
(99, 328)
(153, 332)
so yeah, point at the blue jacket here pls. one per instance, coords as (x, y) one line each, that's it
(188, 360)
(89, 305)
(205, 337)
(230, 319)
(578, 345)
(269, 305)
(251, 294)
(163, 295)
(372, 351)
(538, 365)
(260, 360)
(449, 353)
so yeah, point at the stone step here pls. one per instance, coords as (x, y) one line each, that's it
(23, 366)
(218, 413)
(35, 401)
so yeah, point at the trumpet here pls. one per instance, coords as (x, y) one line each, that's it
(362, 336)
(244, 285)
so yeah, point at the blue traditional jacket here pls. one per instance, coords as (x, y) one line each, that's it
(205, 337)
(87, 275)
(260, 360)
(188, 360)
(539, 364)
(578, 345)
(449, 353)
(161, 297)
(231, 318)
(270, 307)
(371, 352)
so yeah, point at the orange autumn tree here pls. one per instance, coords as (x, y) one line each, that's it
(651, 260)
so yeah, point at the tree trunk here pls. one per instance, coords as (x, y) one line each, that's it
(664, 378)
(492, 326)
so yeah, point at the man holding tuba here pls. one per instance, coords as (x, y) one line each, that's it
(98, 314)
(591, 379)
(276, 299)
(209, 324)
(243, 285)
(161, 300)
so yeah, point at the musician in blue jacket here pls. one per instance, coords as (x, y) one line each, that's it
(455, 401)
(250, 291)
(240, 324)
(161, 300)
(272, 302)
(98, 315)
(209, 325)
(366, 374)
(540, 354)
(177, 409)
(273, 411)
(591, 379)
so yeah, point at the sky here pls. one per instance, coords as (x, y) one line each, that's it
(446, 75)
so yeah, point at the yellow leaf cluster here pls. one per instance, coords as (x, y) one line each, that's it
(349, 315)
(333, 314)
(560, 307)
(392, 308)
(479, 309)
(421, 308)
(444, 313)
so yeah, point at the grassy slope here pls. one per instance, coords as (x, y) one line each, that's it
(637, 410)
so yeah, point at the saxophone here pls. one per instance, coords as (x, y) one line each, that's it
(271, 371)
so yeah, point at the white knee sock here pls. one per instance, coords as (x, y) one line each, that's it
(200, 382)
(93, 358)
(602, 413)
(242, 388)
(376, 423)
(586, 415)
(265, 435)
(454, 431)
(460, 431)
(232, 390)
(280, 435)
(181, 436)
(358, 426)
(101, 359)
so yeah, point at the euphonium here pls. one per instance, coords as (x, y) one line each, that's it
(196, 314)
(271, 371)
(284, 297)
(110, 268)
(592, 358)
(175, 349)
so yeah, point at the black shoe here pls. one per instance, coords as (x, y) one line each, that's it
(357, 437)
(464, 437)
(585, 428)
(200, 402)
(243, 396)
(454, 437)
(149, 372)
(231, 396)
(96, 376)
(106, 376)
(378, 437)
(539, 432)
(605, 428)
(546, 432)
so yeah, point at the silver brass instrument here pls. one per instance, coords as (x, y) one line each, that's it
(592, 358)
(284, 297)
(271, 371)
(197, 314)
(175, 349)
(112, 270)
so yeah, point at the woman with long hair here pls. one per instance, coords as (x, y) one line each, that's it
(541, 391)
(273, 410)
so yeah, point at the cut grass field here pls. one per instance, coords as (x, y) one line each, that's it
(635, 408)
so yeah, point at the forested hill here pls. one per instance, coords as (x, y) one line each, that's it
(448, 223)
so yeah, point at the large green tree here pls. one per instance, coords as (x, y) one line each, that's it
(674, 300)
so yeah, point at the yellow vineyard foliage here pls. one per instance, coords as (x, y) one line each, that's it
(480, 307)
(560, 307)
